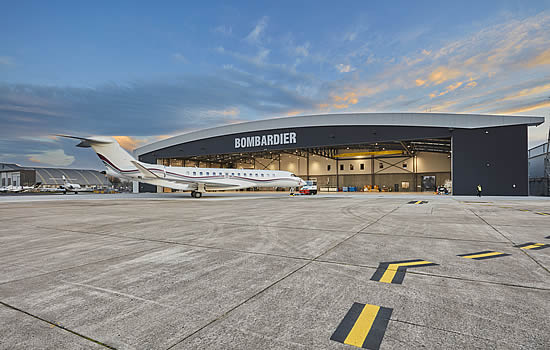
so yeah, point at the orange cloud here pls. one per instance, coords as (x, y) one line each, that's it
(341, 106)
(525, 108)
(454, 86)
(129, 143)
(542, 59)
(443, 74)
(420, 82)
(472, 84)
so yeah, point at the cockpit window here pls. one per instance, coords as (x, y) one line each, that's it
(293, 175)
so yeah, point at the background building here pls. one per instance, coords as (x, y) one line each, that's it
(397, 151)
(15, 175)
(539, 170)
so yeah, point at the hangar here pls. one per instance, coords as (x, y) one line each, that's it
(408, 152)
(16, 175)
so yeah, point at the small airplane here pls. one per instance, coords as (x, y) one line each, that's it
(121, 164)
(19, 189)
(67, 186)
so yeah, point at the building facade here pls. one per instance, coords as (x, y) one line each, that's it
(15, 175)
(388, 151)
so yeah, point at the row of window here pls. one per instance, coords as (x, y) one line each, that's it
(232, 174)
(361, 166)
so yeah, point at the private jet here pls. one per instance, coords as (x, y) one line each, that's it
(121, 164)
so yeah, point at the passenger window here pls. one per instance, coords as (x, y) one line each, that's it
(207, 173)
(262, 175)
(232, 174)
(256, 174)
(194, 173)
(238, 174)
(200, 173)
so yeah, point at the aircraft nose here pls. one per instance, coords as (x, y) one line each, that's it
(302, 182)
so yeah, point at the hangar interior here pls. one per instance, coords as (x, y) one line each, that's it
(404, 166)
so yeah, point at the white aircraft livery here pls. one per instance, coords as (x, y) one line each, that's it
(121, 164)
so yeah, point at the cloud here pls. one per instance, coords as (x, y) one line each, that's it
(525, 107)
(180, 57)
(6, 60)
(420, 82)
(53, 157)
(350, 36)
(302, 50)
(130, 143)
(223, 30)
(542, 59)
(344, 68)
(443, 74)
(255, 35)
(231, 111)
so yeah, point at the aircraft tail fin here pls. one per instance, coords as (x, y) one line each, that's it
(109, 151)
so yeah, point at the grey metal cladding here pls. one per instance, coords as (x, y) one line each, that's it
(437, 120)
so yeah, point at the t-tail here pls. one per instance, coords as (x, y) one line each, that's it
(109, 151)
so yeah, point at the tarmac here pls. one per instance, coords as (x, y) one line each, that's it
(270, 271)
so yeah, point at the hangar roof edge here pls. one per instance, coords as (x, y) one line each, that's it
(442, 120)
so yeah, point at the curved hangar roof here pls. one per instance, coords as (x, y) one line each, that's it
(440, 120)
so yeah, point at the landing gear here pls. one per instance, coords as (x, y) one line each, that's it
(196, 194)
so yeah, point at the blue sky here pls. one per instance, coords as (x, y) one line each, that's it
(144, 71)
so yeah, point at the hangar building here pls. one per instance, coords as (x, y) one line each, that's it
(15, 175)
(382, 151)
(539, 170)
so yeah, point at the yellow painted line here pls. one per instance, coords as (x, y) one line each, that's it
(387, 277)
(362, 326)
(481, 255)
(373, 153)
(524, 209)
(532, 246)
(418, 202)
(542, 213)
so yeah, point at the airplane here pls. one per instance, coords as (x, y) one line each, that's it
(67, 186)
(19, 189)
(121, 164)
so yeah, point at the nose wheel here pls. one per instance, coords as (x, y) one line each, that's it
(196, 194)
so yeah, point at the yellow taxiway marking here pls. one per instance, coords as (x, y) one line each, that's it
(387, 277)
(536, 245)
(481, 255)
(362, 326)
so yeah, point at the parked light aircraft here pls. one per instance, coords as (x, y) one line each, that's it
(67, 186)
(121, 164)
(18, 189)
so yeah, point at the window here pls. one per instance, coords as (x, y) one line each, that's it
(200, 173)
(256, 174)
(207, 173)
(194, 173)
(328, 167)
(232, 174)
(404, 165)
(341, 166)
(381, 165)
(262, 175)
(351, 167)
(362, 166)
(238, 174)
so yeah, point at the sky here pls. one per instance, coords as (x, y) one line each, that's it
(143, 71)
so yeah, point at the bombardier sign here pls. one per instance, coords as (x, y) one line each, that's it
(284, 138)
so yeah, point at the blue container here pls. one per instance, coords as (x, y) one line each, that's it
(345, 189)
